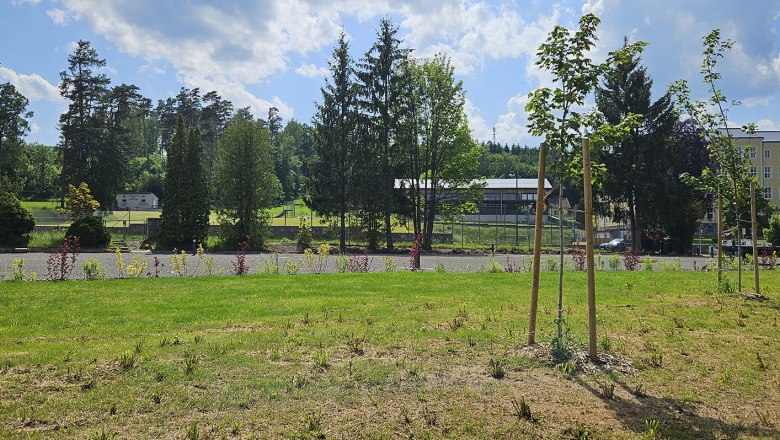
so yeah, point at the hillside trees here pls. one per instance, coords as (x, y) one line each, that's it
(248, 185)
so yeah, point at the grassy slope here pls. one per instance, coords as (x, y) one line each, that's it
(256, 342)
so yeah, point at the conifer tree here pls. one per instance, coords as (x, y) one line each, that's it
(171, 222)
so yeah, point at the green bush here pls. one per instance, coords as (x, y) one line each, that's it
(16, 222)
(772, 233)
(91, 232)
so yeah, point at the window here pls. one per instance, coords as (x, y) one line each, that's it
(528, 197)
(768, 193)
(752, 152)
(492, 197)
(767, 154)
(752, 171)
(510, 197)
(767, 172)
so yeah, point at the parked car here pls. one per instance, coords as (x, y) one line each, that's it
(616, 245)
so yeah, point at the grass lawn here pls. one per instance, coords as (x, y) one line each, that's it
(383, 355)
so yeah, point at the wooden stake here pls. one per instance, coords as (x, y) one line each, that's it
(720, 238)
(754, 234)
(537, 260)
(592, 342)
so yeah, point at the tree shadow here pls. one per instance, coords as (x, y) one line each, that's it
(679, 419)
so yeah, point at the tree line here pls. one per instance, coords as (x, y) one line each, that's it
(388, 141)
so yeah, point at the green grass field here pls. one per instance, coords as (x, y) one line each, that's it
(384, 355)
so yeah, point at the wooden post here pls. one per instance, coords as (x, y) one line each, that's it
(537, 260)
(754, 234)
(592, 342)
(719, 238)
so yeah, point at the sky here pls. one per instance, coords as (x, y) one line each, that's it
(265, 53)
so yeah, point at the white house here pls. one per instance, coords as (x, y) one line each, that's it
(137, 201)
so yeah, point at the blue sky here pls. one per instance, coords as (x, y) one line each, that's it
(274, 53)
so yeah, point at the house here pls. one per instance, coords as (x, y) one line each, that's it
(504, 200)
(137, 201)
(763, 151)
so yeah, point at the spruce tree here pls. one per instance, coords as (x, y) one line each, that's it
(171, 222)
(196, 214)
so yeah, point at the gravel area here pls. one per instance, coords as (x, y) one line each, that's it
(223, 263)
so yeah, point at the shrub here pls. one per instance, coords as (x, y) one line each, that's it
(414, 252)
(647, 264)
(90, 231)
(305, 235)
(772, 233)
(16, 222)
(578, 258)
(59, 265)
(631, 259)
(94, 270)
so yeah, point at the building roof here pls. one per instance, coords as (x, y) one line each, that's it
(128, 193)
(766, 135)
(489, 183)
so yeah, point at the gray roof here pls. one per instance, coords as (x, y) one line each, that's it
(490, 183)
(766, 135)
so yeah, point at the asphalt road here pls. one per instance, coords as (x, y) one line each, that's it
(223, 263)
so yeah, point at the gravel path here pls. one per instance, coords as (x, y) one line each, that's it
(223, 263)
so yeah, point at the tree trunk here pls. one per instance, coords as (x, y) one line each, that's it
(343, 231)
(754, 232)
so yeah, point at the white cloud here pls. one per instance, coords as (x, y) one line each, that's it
(595, 7)
(33, 86)
(767, 124)
(21, 2)
(311, 71)
(58, 16)
(34, 128)
(150, 69)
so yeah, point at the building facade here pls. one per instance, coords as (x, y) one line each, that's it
(763, 151)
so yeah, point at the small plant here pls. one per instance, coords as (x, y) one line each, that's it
(512, 268)
(321, 360)
(605, 342)
(726, 286)
(120, 263)
(192, 431)
(190, 362)
(577, 258)
(93, 269)
(359, 263)
(631, 259)
(522, 410)
(494, 266)
(414, 252)
(312, 427)
(440, 267)
(239, 266)
(291, 267)
(768, 261)
(760, 361)
(157, 264)
(562, 346)
(17, 267)
(355, 345)
(549, 264)
(136, 267)
(600, 262)
(390, 264)
(651, 429)
(672, 266)
(126, 361)
(178, 262)
(647, 263)
(614, 262)
(497, 368)
(568, 368)
(608, 390)
(61, 262)
(270, 266)
(342, 263)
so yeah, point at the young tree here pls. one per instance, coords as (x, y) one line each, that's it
(14, 126)
(248, 185)
(552, 113)
(79, 202)
(381, 89)
(329, 188)
(728, 178)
